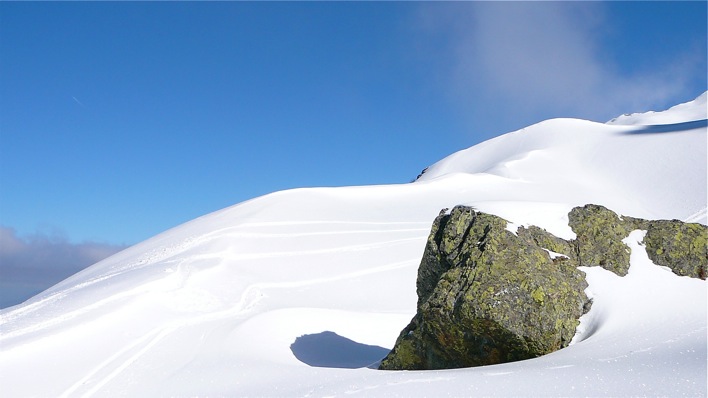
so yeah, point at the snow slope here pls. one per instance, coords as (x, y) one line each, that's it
(247, 300)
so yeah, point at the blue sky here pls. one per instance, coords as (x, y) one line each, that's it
(120, 120)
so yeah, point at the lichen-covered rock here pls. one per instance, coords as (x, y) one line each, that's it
(541, 237)
(679, 246)
(672, 243)
(599, 238)
(433, 264)
(486, 296)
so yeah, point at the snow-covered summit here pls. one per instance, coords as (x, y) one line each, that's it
(284, 295)
(638, 167)
(695, 110)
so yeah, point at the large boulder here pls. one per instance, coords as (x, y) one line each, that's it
(487, 295)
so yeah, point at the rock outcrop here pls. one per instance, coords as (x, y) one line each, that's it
(487, 295)
(679, 246)
(599, 238)
(674, 244)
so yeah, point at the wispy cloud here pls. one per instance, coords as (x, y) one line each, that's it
(77, 101)
(32, 264)
(536, 57)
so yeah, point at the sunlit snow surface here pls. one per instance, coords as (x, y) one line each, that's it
(226, 304)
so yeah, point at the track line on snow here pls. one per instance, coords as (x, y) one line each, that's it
(338, 249)
(245, 234)
(331, 222)
(142, 345)
(164, 255)
(66, 316)
(249, 298)
(159, 333)
(154, 256)
(423, 226)
(251, 295)
(697, 216)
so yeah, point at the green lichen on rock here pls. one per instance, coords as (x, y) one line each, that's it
(487, 296)
(546, 240)
(679, 246)
(672, 243)
(599, 238)
(542, 238)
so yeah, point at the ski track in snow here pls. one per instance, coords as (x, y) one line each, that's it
(699, 216)
(249, 298)
(94, 380)
(162, 254)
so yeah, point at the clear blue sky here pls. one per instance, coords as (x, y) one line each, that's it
(121, 120)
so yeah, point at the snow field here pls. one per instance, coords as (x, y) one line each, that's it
(215, 306)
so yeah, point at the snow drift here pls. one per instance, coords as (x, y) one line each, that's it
(290, 293)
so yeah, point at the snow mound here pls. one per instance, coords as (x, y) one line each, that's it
(292, 293)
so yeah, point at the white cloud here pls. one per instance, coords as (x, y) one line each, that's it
(33, 264)
(545, 58)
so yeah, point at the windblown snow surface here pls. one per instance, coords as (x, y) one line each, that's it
(296, 292)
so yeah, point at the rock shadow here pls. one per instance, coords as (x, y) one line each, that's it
(330, 350)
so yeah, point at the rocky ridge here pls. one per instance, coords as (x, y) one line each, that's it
(487, 295)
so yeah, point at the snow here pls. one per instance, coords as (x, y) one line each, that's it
(696, 110)
(290, 294)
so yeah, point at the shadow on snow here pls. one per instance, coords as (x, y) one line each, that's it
(330, 350)
(669, 128)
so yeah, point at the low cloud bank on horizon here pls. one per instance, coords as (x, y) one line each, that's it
(32, 264)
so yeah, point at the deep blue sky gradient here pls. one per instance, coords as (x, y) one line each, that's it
(121, 120)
